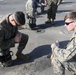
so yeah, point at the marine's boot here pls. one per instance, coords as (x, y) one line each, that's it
(22, 44)
(22, 56)
(52, 21)
(48, 21)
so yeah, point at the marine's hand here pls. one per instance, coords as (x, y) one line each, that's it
(58, 3)
(43, 4)
(52, 58)
(53, 45)
(56, 44)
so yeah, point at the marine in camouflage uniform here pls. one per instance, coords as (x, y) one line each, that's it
(9, 34)
(30, 8)
(65, 59)
(52, 6)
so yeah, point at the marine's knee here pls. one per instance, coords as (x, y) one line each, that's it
(24, 38)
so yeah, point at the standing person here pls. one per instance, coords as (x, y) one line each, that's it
(30, 12)
(43, 4)
(52, 6)
(9, 35)
(62, 59)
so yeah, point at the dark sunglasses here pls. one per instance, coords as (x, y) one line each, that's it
(67, 23)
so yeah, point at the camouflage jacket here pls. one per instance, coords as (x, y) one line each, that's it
(7, 33)
(30, 8)
(68, 53)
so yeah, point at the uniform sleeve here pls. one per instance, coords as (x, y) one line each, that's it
(29, 9)
(26, 6)
(65, 54)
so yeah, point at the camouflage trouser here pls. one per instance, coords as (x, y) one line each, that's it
(20, 38)
(51, 12)
(59, 68)
(6, 54)
(31, 21)
(23, 41)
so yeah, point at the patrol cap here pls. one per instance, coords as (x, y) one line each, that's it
(19, 17)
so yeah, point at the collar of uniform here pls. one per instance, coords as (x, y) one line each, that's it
(7, 19)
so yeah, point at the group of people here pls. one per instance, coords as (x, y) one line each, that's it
(31, 8)
(61, 59)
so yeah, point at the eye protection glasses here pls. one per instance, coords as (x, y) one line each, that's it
(67, 23)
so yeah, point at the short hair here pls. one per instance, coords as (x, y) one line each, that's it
(71, 15)
(19, 17)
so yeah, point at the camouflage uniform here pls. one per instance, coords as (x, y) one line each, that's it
(8, 33)
(30, 12)
(52, 8)
(65, 58)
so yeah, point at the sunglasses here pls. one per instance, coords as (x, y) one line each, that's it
(67, 23)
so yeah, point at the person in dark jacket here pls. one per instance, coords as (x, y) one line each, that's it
(9, 34)
(52, 6)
